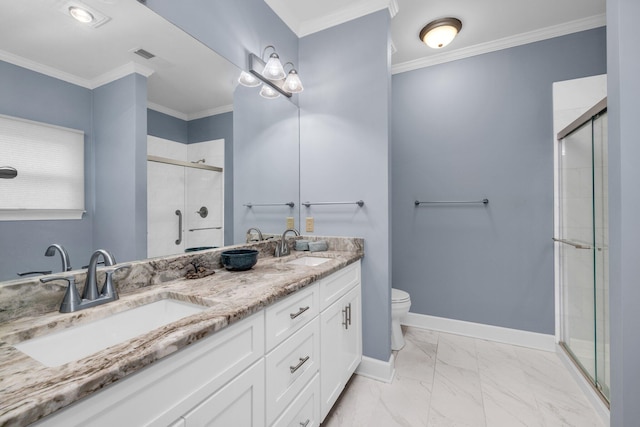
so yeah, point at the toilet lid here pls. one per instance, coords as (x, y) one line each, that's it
(398, 296)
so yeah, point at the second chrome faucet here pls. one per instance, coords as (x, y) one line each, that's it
(282, 249)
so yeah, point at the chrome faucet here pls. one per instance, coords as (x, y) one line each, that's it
(51, 251)
(72, 300)
(282, 249)
(260, 238)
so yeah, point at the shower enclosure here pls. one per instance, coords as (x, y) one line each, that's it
(582, 245)
(185, 196)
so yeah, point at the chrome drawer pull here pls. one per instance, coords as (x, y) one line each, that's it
(295, 368)
(345, 316)
(305, 424)
(302, 310)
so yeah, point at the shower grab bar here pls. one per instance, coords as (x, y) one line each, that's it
(483, 201)
(250, 205)
(205, 228)
(359, 203)
(179, 226)
(570, 243)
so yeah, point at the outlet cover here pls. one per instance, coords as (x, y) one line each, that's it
(309, 224)
(290, 222)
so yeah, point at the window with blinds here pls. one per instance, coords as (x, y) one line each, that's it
(50, 171)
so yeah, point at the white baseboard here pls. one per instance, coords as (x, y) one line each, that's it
(487, 332)
(377, 369)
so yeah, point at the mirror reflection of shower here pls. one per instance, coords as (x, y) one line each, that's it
(179, 179)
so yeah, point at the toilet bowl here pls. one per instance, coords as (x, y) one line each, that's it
(400, 304)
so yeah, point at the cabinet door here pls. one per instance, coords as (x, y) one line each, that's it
(352, 336)
(340, 347)
(240, 403)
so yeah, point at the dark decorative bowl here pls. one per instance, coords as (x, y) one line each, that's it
(239, 259)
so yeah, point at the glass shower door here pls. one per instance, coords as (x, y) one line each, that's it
(583, 249)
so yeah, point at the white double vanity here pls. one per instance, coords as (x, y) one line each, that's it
(283, 364)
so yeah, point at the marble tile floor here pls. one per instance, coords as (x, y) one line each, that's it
(445, 380)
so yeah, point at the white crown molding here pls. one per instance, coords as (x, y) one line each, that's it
(393, 8)
(504, 43)
(108, 77)
(210, 112)
(118, 73)
(187, 117)
(311, 26)
(44, 69)
(168, 111)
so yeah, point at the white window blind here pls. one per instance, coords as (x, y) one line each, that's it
(50, 164)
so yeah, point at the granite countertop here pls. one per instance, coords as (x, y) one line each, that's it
(30, 390)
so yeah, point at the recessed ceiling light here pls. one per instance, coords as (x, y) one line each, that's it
(80, 14)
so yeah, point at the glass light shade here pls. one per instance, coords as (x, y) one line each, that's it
(292, 83)
(268, 92)
(248, 79)
(274, 70)
(439, 37)
(81, 14)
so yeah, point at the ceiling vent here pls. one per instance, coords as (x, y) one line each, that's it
(143, 53)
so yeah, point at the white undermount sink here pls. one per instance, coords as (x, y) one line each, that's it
(77, 342)
(309, 261)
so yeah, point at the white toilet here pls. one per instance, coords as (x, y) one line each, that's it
(400, 304)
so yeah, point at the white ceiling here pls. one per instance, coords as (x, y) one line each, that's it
(487, 24)
(189, 81)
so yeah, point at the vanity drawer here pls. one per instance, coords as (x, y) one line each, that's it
(305, 409)
(290, 366)
(336, 285)
(289, 315)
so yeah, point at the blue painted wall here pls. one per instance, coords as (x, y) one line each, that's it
(34, 96)
(168, 127)
(623, 61)
(475, 128)
(344, 153)
(120, 129)
(265, 162)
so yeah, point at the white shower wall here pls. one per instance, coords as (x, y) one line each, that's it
(172, 187)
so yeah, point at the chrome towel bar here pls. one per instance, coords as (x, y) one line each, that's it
(250, 205)
(483, 201)
(359, 203)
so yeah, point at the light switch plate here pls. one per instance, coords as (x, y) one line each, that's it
(309, 224)
(290, 223)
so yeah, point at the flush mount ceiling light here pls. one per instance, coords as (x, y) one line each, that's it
(439, 33)
(276, 81)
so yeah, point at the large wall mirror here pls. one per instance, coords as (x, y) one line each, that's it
(50, 69)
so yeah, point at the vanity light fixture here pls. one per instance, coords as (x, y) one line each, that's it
(248, 80)
(273, 70)
(275, 80)
(439, 33)
(292, 83)
(268, 92)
